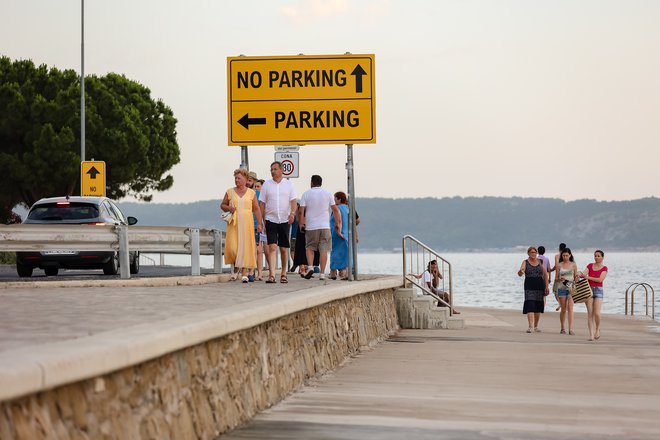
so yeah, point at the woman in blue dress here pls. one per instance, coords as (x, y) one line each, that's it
(339, 254)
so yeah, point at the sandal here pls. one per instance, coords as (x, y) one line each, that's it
(233, 277)
(571, 332)
(270, 280)
(283, 279)
(563, 332)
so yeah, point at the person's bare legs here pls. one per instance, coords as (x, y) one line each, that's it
(537, 318)
(562, 313)
(569, 310)
(284, 255)
(260, 256)
(598, 303)
(590, 318)
(272, 257)
(530, 321)
(323, 260)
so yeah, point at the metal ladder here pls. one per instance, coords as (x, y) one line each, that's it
(631, 289)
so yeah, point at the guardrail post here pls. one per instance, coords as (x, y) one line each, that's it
(217, 251)
(124, 263)
(194, 251)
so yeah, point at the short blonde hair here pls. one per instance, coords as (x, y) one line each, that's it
(242, 171)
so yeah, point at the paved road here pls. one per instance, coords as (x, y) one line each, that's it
(489, 381)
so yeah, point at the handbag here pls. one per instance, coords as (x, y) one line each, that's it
(226, 216)
(581, 291)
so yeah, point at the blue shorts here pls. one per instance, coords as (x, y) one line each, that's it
(563, 292)
(597, 292)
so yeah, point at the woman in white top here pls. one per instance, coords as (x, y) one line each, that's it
(566, 274)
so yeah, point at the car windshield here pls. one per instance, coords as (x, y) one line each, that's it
(64, 211)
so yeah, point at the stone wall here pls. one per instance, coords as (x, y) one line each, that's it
(207, 389)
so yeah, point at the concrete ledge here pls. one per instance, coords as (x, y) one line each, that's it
(187, 280)
(37, 368)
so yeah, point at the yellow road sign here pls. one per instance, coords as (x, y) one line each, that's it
(324, 99)
(92, 178)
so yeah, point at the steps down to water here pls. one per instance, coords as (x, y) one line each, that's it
(422, 312)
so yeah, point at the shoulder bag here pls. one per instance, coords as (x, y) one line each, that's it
(581, 291)
(226, 216)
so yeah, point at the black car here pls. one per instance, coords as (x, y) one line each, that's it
(74, 210)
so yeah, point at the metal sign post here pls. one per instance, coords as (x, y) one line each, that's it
(352, 249)
(245, 162)
(82, 80)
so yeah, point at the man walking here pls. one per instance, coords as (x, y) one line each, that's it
(315, 206)
(278, 205)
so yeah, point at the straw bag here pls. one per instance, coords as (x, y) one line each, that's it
(581, 291)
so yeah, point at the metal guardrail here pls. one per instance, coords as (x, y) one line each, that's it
(646, 287)
(416, 257)
(165, 239)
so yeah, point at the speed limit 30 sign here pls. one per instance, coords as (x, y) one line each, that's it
(289, 163)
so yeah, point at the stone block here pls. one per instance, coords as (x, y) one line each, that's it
(455, 323)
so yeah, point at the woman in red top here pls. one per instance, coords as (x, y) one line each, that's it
(595, 273)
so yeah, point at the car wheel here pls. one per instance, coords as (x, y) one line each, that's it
(23, 271)
(112, 266)
(51, 271)
(135, 264)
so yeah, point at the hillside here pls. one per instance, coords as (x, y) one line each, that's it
(471, 223)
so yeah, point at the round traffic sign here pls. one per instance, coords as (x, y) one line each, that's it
(288, 168)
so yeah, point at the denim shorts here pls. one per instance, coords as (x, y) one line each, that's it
(597, 292)
(563, 292)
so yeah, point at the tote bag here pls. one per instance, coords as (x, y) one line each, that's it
(581, 291)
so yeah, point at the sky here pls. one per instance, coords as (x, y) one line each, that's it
(554, 98)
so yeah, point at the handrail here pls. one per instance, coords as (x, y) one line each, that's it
(168, 239)
(646, 287)
(420, 263)
(146, 260)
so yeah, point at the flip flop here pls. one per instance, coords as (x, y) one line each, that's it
(283, 279)
(270, 280)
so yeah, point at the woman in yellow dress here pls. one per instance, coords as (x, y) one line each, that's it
(240, 247)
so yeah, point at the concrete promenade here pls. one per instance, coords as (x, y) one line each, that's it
(42, 312)
(54, 331)
(489, 381)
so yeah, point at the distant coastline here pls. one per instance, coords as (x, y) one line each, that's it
(466, 224)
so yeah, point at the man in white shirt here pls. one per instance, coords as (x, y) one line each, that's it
(277, 201)
(314, 212)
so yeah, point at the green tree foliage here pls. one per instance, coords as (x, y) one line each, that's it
(40, 134)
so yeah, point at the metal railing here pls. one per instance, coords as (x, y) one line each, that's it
(146, 260)
(416, 258)
(631, 289)
(122, 239)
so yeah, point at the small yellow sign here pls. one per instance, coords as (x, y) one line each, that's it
(92, 178)
(321, 99)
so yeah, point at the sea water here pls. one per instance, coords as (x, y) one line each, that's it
(491, 280)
